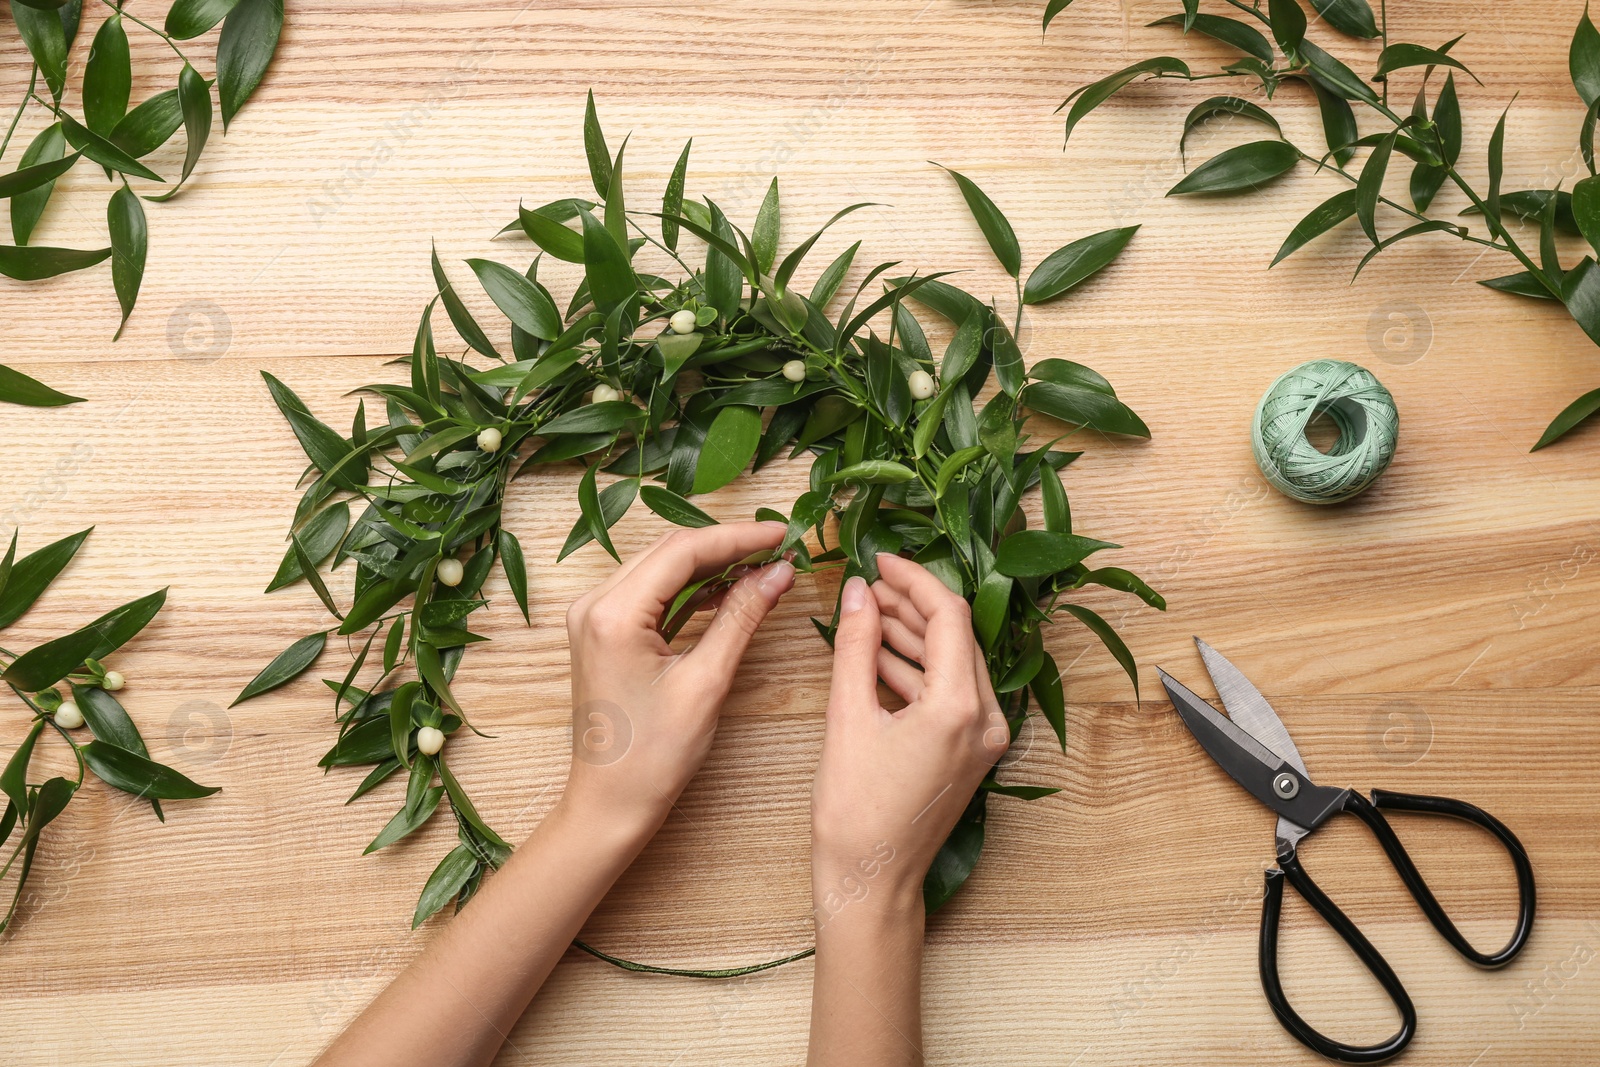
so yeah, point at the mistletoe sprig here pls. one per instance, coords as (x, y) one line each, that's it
(671, 387)
(1430, 136)
(108, 133)
(116, 755)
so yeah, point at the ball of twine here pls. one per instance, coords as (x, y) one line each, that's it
(1360, 407)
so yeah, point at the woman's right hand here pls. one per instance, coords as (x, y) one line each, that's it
(891, 785)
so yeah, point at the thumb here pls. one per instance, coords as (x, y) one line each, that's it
(855, 649)
(737, 617)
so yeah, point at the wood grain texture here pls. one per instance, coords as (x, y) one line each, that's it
(1437, 635)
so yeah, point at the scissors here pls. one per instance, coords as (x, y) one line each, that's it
(1252, 745)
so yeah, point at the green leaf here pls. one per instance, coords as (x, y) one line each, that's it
(464, 807)
(729, 446)
(407, 819)
(610, 504)
(1335, 76)
(285, 667)
(1020, 792)
(107, 77)
(108, 719)
(46, 40)
(1066, 372)
(31, 263)
(1229, 31)
(1082, 406)
(445, 882)
(989, 607)
(1225, 105)
(1352, 17)
(604, 417)
(32, 574)
(1041, 553)
(187, 19)
(27, 178)
(594, 146)
(832, 277)
(616, 211)
(874, 472)
(1399, 56)
(1583, 60)
(1124, 582)
(142, 777)
(996, 229)
(460, 317)
(1092, 96)
(150, 125)
(244, 49)
(45, 665)
(1497, 144)
(14, 779)
(1322, 218)
(674, 508)
(318, 538)
(103, 151)
(1572, 416)
(965, 344)
(1109, 638)
(1245, 167)
(130, 240)
(1053, 499)
(394, 643)
(1586, 209)
(953, 465)
(1369, 187)
(956, 857)
(194, 98)
(1521, 283)
(1047, 690)
(519, 299)
(1054, 8)
(1338, 122)
(764, 237)
(558, 240)
(672, 199)
(48, 147)
(511, 561)
(322, 444)
(606, 266)
(18, 388)
(1072, 264)
(1288, 25)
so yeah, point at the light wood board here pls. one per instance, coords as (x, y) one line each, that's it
(1436, 635)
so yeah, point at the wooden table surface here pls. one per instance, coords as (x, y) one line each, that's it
(1436, 635)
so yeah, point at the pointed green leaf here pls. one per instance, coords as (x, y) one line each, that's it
(285, 667)
(187, 19)
(244, 49)
(19, 388)
(996, 229)
(1072, 264)
(1244, 168)
(130, 240)
(107, 77)
(30, 263)
(1041, 553)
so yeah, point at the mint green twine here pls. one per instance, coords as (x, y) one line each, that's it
(1361, 409)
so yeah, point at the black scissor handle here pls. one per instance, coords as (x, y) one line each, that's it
(1457, 809)
(1289, 866)
(1369, 813)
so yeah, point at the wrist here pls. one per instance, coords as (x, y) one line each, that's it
(878, 884)
(620, 829)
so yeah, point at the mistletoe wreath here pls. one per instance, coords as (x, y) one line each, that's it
(671, 387)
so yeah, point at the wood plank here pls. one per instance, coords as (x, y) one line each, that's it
(1435, 635)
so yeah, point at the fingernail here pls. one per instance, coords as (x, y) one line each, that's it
(775, 576)
(855, 595)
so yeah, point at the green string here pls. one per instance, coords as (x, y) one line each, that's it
(723, 972)
(1359, 406)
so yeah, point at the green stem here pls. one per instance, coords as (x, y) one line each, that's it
(33, 80)
(140, 22)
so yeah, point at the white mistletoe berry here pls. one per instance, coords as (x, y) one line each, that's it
(795, 370)
(489, 440)
(113, 681)
(430, 740)
(682, 321)
(68, 717)
(604, 394)
(921, 383)
(450, 572)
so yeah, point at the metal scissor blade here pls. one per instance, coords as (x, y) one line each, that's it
(1261, 771)
(1247, 707)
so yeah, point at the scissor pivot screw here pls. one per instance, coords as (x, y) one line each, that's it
(1286, 786)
